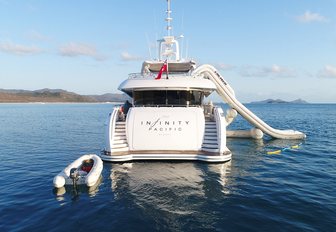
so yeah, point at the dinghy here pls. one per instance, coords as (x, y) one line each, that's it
(86, 170)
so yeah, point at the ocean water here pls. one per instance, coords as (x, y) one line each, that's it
(291, 191)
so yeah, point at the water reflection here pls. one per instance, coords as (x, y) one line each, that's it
(75, 191)
(177, 188)
(282, 143)
(257, 146)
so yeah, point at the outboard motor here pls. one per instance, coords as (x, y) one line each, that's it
(74, 175)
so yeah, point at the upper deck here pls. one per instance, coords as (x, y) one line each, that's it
(138, 81)
(178, 89)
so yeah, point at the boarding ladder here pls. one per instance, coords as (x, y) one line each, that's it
(210, 139)
(119, 140)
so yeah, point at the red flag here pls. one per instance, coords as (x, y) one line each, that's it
(162, 69)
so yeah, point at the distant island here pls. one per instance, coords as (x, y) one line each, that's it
(55, 95)
(279, 101)
(60, 95)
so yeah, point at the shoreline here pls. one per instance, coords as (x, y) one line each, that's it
(45, 103)
(118, 103)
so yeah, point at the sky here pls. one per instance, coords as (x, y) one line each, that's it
(264, 49)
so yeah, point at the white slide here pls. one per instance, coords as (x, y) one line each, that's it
(227, 94)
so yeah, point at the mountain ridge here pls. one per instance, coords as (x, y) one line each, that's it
(280, 101)
(61, 95)
(55, 95)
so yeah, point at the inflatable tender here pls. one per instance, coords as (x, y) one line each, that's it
(86, 170)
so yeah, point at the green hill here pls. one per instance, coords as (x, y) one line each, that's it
(54, 95)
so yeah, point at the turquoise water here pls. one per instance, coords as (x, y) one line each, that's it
(293, 191)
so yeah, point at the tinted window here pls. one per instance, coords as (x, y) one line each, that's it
(166, 98)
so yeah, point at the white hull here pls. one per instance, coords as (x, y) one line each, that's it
(90, 179)
(166, 133)
(171, 156)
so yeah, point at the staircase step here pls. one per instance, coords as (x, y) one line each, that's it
(120, 138)
(117, 133)
(119, 145)
(119, 149)
(210, 150)
(210, 124)
(213, 138)
(119, 141)
(120, 127)
(211, 134)
(210, 138)
(210, 141)
(211, 146)
(210, 129)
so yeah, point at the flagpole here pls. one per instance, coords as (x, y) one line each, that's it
(169, 28)
(167, 70)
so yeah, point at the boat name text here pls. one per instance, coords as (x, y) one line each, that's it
(165, 125)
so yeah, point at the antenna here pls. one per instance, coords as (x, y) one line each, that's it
(182, 43)
(156, 47)
(149, 47)
(169, 18)
(169, 46)
(187, 47)
(182, 36)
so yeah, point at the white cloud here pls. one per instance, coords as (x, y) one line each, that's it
(328, 71)
(80, 49)
(37, 36)
(308, 17)
(125, 56)
(224, 67)
(19, 49)
(272, 71)
(278, 70)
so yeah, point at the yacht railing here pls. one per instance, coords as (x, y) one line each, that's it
(154, 75)
(138, 75)
(163, 105)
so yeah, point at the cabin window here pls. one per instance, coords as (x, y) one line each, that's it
(168, 98)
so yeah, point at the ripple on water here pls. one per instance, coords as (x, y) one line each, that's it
(292, 191)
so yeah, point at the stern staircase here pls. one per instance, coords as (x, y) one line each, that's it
(210, 139)
(119, 140)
